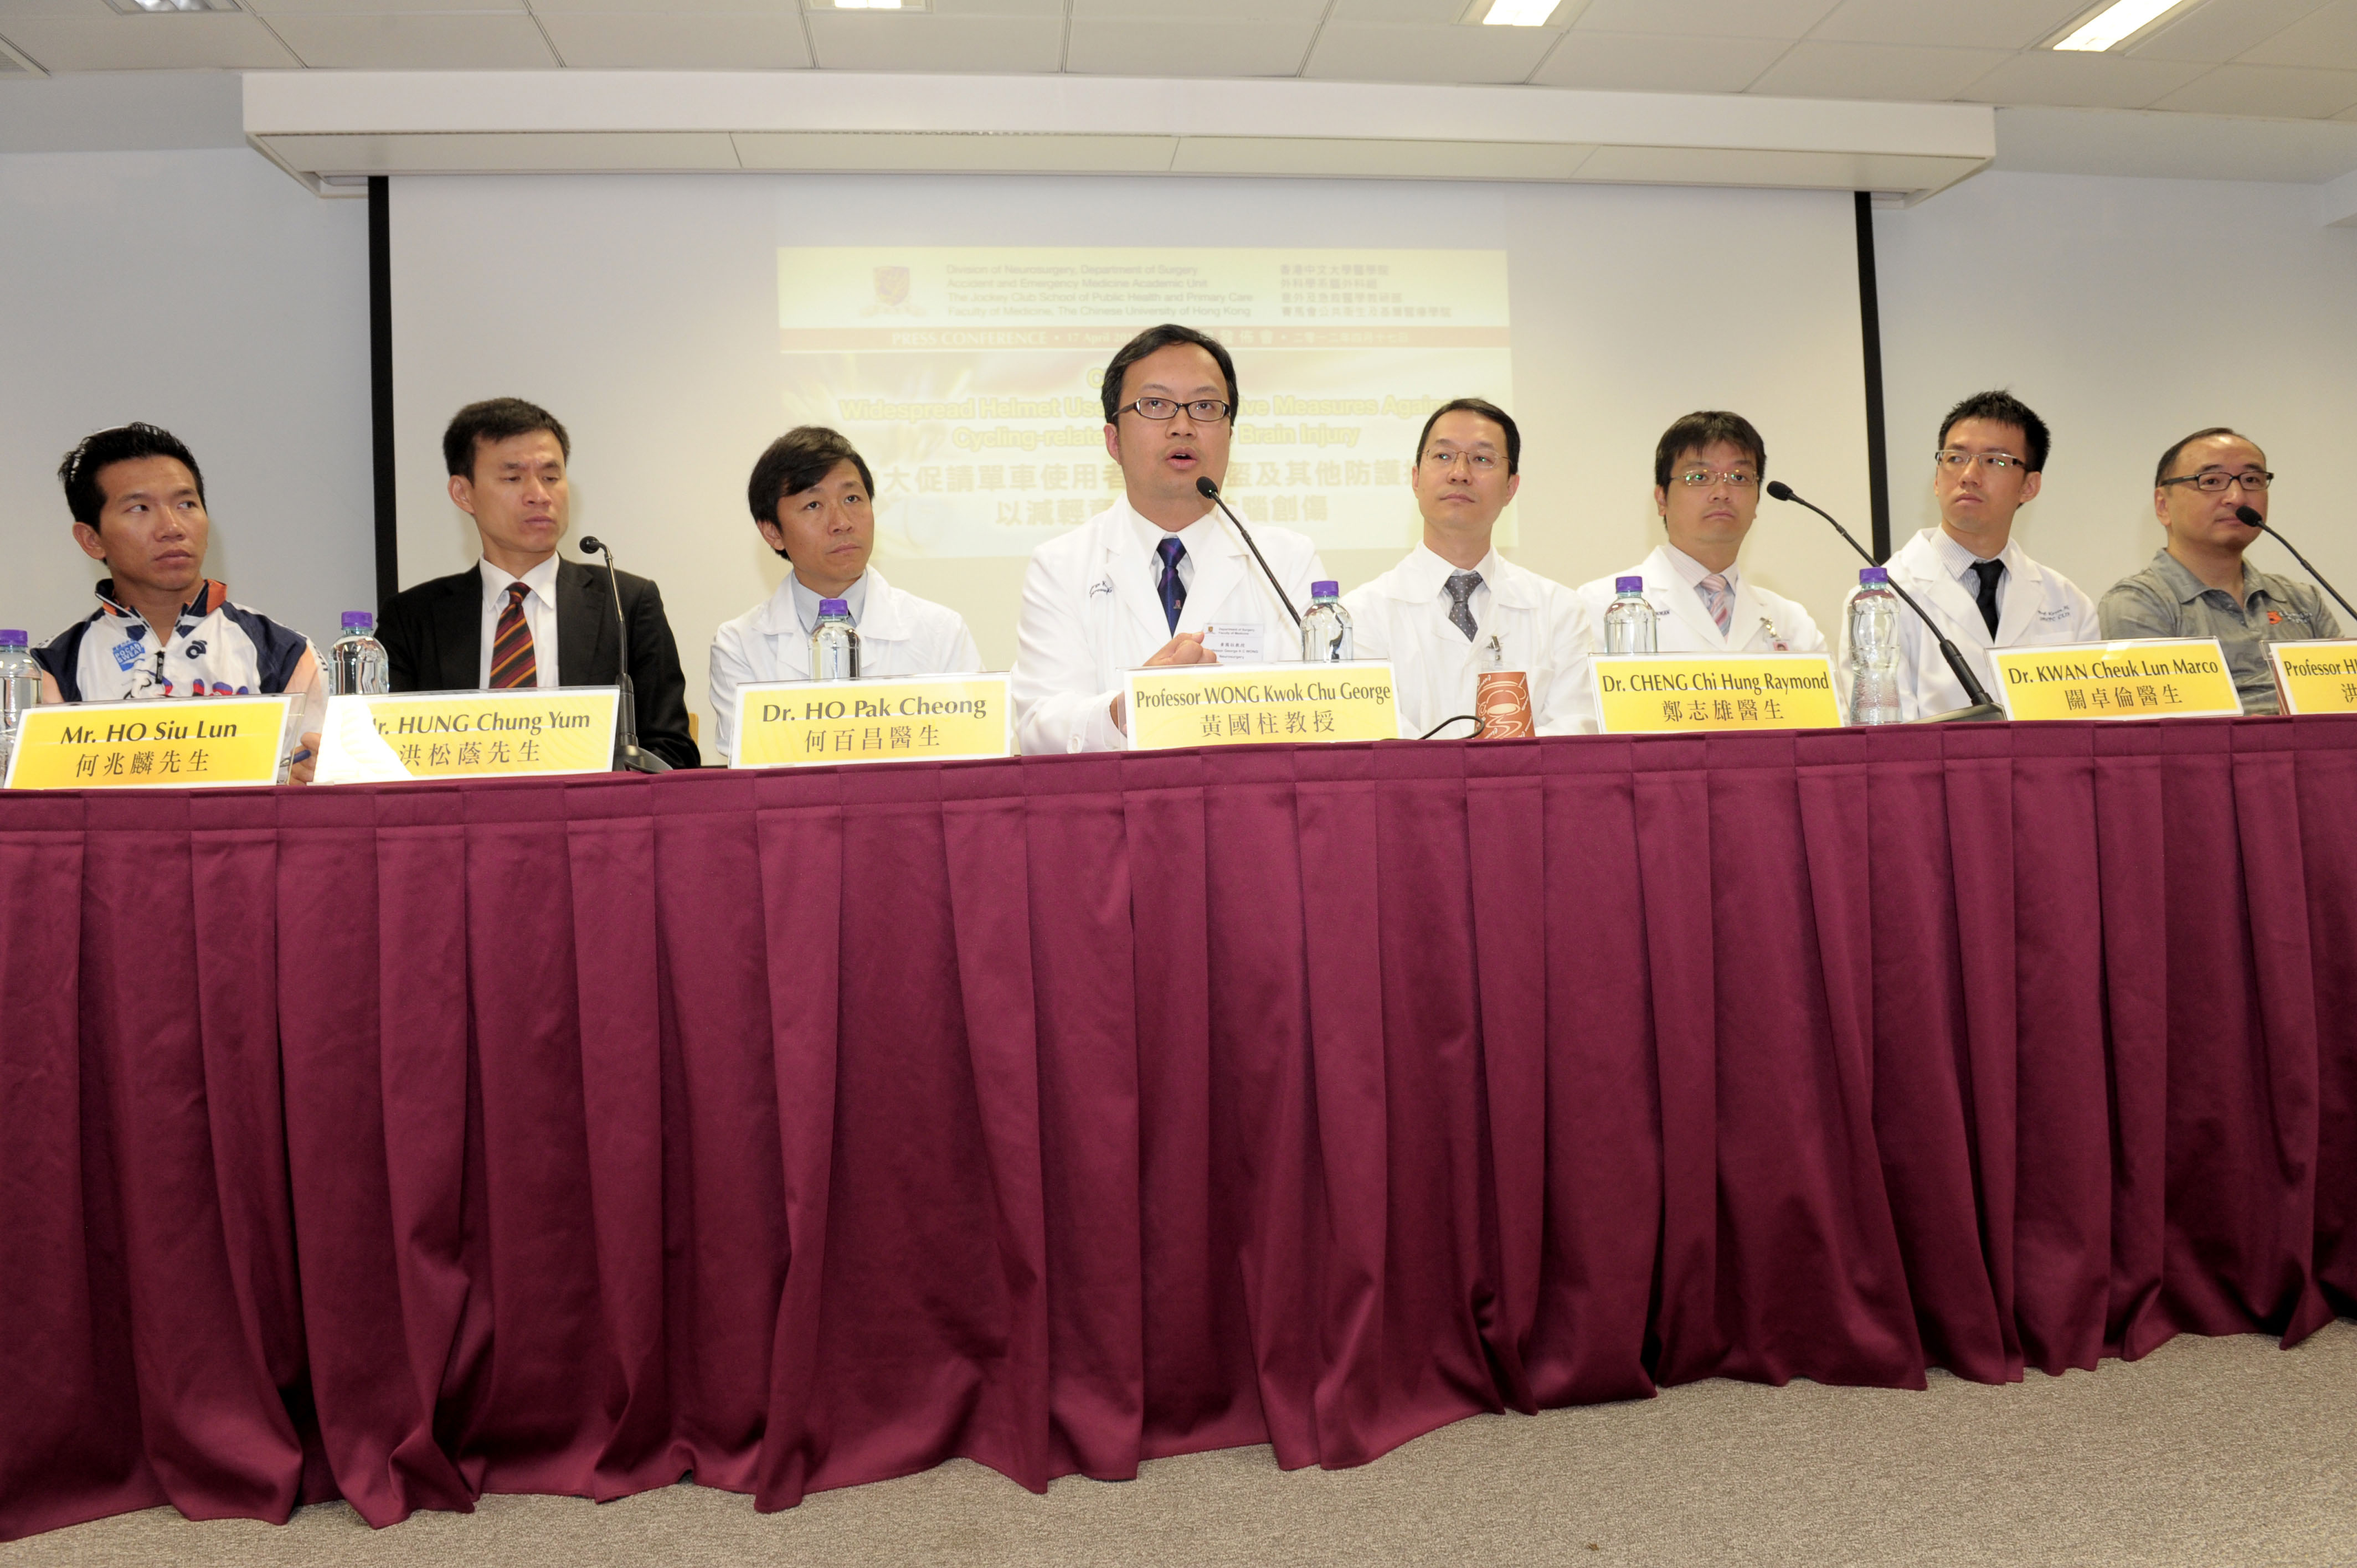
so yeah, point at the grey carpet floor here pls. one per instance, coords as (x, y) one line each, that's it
(2209, 1451)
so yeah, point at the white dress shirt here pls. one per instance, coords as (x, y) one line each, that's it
(539, 614)
(2037, 606)
(1539, 628)
(1759, 622)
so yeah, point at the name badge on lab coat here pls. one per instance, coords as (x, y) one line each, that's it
(1233, 644)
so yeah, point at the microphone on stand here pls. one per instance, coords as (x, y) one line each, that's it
(628, 757)
(1982, 708)
(2249, 518)
(1210, 491)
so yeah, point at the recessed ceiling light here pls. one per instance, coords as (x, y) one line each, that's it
(169, 7)
(2116, 24)
(1519, 13)
(868, 4)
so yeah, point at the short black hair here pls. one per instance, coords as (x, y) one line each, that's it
(793, 463)
(2003, 408)
(93, 455)
(1486, 410)
(1151, 340)
(1707, 427)
(2169, 459)
(495, 420)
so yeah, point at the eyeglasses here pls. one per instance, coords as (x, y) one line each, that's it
(2213, 483)
(1997, 462)
(1478, 462)
(1733, 479)
(1203, 410)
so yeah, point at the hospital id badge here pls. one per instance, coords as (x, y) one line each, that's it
(1233, 644)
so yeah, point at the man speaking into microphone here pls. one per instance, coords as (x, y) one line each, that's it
(1159, 576)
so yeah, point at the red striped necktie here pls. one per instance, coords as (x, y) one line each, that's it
(511, 659)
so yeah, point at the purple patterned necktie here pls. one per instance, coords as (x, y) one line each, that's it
(1173, 591)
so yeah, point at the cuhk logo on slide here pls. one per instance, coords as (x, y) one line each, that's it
(892, 288)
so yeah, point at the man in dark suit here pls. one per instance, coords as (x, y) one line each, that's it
(521, 617)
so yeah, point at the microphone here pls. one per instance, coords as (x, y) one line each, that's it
(2249, 518)
(1210, 491)
(627, 754)
(1982, 708)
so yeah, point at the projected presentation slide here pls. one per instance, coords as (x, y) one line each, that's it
(968, 377)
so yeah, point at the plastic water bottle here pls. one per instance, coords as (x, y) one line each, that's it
(20, 688)
(1874, 650)
(356, 665)
(1325, 626)
(1629, 618)
(834, 645)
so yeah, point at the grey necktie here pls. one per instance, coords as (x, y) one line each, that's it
(1460, 600)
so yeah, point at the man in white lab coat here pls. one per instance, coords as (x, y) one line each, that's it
(1970, 574)
(1159, 576)
(813, 499)
(1708, 470)
(1456, 607)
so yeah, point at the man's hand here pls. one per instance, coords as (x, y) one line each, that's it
(306, 760)
(1186, 647)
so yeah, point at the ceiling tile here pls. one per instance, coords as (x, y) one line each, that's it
(96, 10)
(854, 41)
(1104, 46)
(1952, 23)
(2273, 92)
(1895, 71)
(445, 41)
(2081, 80)
(1308, 13)
(1434, 11)
(376, 7)
(1706, 18)
(2214, 32)
(949, 8)
(1376, 51)
(1632, 62)
(2328, 39)
(197, 41)
(645, 41)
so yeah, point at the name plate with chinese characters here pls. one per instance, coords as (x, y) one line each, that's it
(468, 735)
(165, 744)
(2162, 678)
(935, 718)
(1235, 704)
(1689, 693)
(2316, 677)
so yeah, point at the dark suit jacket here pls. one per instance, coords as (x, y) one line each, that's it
(432, 636)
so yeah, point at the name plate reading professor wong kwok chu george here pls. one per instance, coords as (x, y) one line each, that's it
(1688, 693)
(902, 718)
(1177, 705)
(163, 744)
(2158, 678)
(2316, 677)
(468, 735)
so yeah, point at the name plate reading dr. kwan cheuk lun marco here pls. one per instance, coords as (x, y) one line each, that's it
(1688, 694)
(2158, 678)
(909, 718)
(1177, 705)
(468, 735)
(164, 744)
(2316, 677)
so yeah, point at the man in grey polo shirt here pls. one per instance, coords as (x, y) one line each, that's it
(2200, 585)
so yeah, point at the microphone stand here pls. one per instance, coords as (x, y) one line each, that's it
(2249, 518)
(628, 757)
(1210, 491)
(1982, 708)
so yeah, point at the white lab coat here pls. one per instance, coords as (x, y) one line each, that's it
(1090, 613)
(2036, 606)
(899, 634)
(1540, 627)
(1760, 622)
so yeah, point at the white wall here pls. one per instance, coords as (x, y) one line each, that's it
(2129, 313)
(206, 292)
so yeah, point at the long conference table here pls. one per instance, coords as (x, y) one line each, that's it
(798, 1129)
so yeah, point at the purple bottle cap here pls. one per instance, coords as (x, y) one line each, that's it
(1628, 585)
(14, 639)
(1873, 575)
(361, 618)
(834, 607)
(1324, 590)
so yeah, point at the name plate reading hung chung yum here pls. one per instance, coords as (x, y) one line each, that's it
(2159, 678)
(2316, 677)
(165, 744)
(1178, 705)
(933, 718)
(1689, 694)
(468, 735)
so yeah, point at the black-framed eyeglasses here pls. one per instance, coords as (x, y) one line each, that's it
(1161, 410)
(1957, 462)
(1477, 462)
(2214, 483)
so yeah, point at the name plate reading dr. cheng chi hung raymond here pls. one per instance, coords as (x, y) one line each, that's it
(165, 744)
(1177, 705)
(468, 735)
(2158, 678)
(929, 718)
(2316, 677)
(1688, 694)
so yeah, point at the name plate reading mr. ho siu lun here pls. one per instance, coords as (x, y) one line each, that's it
(931, 718)
(1176, 705)
(2158, 678)
(164, 744)
(2316, 677)
(468, 735)
(1688, 694)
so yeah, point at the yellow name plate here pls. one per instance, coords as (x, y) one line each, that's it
(468, 735)
(164, 744)
(1686, 694)
(1243, 705)
(2316, 677)
(938, 718)
(2159, 678)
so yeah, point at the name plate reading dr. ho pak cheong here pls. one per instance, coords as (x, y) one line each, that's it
(2157, 678)
(908, 718)
(165, 744)
(1689, 693)
(468, 735)
(1176, 705)
(2316, 677)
